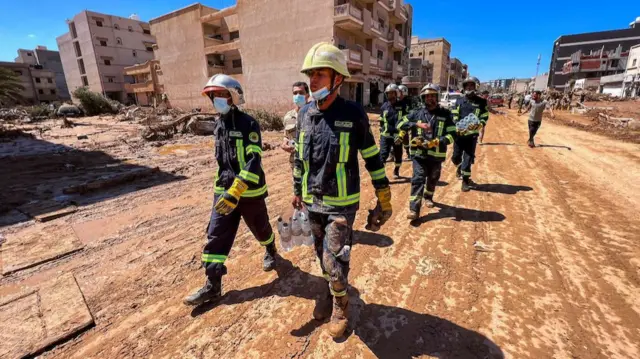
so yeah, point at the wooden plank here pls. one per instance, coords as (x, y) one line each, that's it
(36, 245)
(40, 320)
(56, 214)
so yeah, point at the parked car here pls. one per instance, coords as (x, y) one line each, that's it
(496, 100)
(449, 99)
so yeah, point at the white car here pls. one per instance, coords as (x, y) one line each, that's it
(449, 99)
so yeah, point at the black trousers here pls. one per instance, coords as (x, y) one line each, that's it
(332, 238)
(534, 126)
(221, 232)
(464, 154)
(425, 172)
(386, 146)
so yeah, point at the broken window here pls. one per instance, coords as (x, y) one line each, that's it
(615, 63)
(236, 63)
(85, 82)
(234, 35)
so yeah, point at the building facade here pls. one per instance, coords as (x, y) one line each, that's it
(420, 74)
(146, 87)
(594, 65)
(49, 60)
(437, 52)
(39, 83)
(98, 47)
(519, 85)
(263, 43)
(631, 81)
(566, 46)
(457, 71)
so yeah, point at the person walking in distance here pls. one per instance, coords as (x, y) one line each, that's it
(474, 108)
(432, 129)
(537, 107)
(326, 176)
(510, 100)
(240, 187)
(392, 112)
(300, 98)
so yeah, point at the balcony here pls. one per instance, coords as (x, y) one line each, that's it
(215, 69)
(354, 58)
(140, 69)
(213, 40)
(216, 18)
(398, 41)
(348, 17)
(222, 48)
(398, 14)
(385, 4)
(376, 29)
(146, 86)
(373, 62)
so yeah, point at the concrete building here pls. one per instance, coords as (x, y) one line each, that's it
(456, 74)
(49, 60)
(504, 84)
(540, 82)
(519, 85)
(611, 85)
(632, 74)
(146, 87)
(98, 47)
(263, 43)
(436, 51)
(420, 74)
(594, 65)
(39, 83)
(566, 46)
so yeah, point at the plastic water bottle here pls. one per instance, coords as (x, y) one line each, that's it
(303, 217)
(286, 242)
(296, 229)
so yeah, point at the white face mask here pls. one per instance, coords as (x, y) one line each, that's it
(221, 105)
(299, 100)
(320, 94)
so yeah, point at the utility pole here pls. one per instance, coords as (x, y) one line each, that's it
(538, 65)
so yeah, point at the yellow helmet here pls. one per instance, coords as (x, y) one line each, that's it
(325, 55)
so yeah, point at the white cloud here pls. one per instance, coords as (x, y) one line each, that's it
(31, 36)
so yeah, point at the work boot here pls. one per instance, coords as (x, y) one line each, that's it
(339, 317)
(324, 306)
(467, 184)
(458, 173)
(269, 262)
(531, 144)
(212, 290)
(413, 215)
(396, 173)
(428, 201)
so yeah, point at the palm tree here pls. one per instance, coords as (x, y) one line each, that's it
(10, 87)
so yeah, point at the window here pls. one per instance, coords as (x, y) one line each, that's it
(234, 35)
(411, 55)
(81, 67)
(49, 80)
(76, 45)
(134, 53)
(118, 41)
(615, 63)
(107, 62)
(431, 52)
(29, 54)
(111, 79)
(146, 31)
(72, 29)
(116, 26)
(634, 62)
(419, 53)
(53, 92)
(149, 48)
(103, 42)
(380, 55)
(130, 29)
(41, 91)
(37, 80)
(98, 23)
(84, 81)
(236, 63)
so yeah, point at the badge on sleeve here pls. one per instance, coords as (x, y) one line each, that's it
(253, 137)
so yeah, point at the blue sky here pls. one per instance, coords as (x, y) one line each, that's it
(497, 39)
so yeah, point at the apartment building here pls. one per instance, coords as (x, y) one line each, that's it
(457, 74)
(146, 87)
(263, 43)
(437, 52)
(420, 74)
(566, 46)
(49, 60)
(98, 47)
(594, 65)
(631, 83)
(519, 85)
(39, 83)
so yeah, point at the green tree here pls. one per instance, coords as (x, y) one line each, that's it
(10, 87)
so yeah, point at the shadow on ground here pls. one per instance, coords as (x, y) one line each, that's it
(388, 331)
(40, 177)
(498, 144)
(459, 214)
(502, 188)
(371, 239)
(554, 146)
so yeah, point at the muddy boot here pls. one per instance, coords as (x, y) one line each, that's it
(465, 185)
(339, 317)
(531, 144)
(396, 173)
(413, 215)
(324, 306)
(269, 262)
(428, 201)
(212, 290)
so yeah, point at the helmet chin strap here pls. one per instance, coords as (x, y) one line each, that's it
(331, 90)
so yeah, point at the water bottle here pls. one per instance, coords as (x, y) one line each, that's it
(284, 230)
(303, 217)
(296, 225)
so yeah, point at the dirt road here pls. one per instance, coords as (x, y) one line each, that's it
(542, 261)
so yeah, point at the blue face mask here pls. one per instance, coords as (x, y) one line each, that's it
(221, 105)
(299, 100)
(320, 94)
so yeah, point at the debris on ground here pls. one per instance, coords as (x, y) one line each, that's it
(69, 110)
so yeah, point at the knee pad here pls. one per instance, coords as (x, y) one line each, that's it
(213, 270)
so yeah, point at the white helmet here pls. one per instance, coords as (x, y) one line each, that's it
(430, 89)
(404, 89)
(392, 87)
(225, 82)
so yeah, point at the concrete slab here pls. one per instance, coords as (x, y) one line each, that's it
(36, 245)
(39, 320)
(56, 214)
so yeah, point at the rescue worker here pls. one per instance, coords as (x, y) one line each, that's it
(327, 177)
(240, 187)
(300, 98)
(464, 149)
(392, 112)
(405, 99)
(431, 129)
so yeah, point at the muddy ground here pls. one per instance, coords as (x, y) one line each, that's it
(541, 261)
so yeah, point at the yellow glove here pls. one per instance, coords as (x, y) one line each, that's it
(228, 201)
(416, 142)
(384, 198)
(433, 143)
